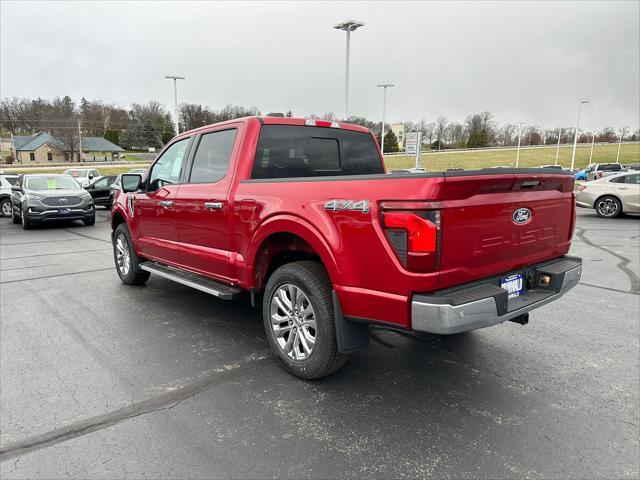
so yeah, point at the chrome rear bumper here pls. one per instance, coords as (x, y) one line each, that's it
(484, 304)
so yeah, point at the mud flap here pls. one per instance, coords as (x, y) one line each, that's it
(351, 336)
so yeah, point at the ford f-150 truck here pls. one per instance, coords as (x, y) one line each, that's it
(302, 215)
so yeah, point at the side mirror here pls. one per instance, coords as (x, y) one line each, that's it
(16, 188)
(131, 182)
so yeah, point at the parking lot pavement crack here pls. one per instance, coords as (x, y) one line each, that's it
(58, 253)
(626, 292)
(622, 265)
(164, 401)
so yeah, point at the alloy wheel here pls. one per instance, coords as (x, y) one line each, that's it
(7, 210)
(123, 257)
(607, 207)
(293, 322)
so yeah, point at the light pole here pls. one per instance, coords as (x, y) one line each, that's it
(175, 79)
(593, 139)
(575, 137)
(558, 147)
(348, 26)
(622, 132)
(384, 109)
(519, 137)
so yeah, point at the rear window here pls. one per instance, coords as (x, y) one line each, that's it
(610, 167)
(290, 151)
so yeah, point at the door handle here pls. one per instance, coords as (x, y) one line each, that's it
(166, 203)
(213, 205)
(623, 188)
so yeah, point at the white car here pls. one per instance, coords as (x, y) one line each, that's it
(611, 196)
(84, 176)
(6, 182)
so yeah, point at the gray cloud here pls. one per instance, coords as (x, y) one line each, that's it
(527, 62)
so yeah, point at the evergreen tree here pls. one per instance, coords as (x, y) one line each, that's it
(112, 136)
(390, 142)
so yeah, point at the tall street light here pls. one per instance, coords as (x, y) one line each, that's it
(575, 137)
(175, 79)
(348, 26)
(622, 132)
(519, 137)
(593, 140)
(558, 147)
(384, 108)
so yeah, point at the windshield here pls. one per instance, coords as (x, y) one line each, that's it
(51, 182)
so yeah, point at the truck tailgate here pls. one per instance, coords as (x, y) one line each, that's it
(497, 223)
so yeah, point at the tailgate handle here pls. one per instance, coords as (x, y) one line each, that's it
(530, 183)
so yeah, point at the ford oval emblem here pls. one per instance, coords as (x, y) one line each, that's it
(522, 216)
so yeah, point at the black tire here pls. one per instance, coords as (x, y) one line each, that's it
(89, 221)
(608, 207)
(16, 218)
(26, 224)
(6, 207)
(311, 278)
(133, 275)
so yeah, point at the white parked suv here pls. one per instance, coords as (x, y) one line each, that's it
(6, 182)
(84, 176)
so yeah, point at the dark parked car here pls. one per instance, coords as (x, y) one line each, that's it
(100, 190)
(37, 198)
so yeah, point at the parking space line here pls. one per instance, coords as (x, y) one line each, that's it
(57, 275)
(58, 253)
(163, 401)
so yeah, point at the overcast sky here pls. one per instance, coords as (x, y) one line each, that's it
(524, 62)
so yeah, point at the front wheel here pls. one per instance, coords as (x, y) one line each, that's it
(608, 207)
(299, 320)
(26, 224)
(89, 221)
(127, 262)
(16, 218)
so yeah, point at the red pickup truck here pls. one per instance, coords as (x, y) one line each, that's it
(302, 215)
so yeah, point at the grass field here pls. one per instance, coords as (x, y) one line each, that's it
(115, 170)
(469, 160)
(534, 157)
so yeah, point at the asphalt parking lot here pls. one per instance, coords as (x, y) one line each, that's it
(101, 380)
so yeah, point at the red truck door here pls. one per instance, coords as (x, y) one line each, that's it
(154, 209)
(202, 207)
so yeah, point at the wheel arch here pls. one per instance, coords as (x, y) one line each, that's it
(612, 195)
(283, 240)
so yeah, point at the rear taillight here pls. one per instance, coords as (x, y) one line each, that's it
(599, 174)
(414, 234)
(581, 187)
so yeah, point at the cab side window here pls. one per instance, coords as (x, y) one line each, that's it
(212, 158)
(166, 171)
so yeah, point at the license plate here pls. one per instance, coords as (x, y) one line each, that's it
(64, 211)
(513, 284)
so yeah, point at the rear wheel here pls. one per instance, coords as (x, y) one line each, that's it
(608, 207)
(299, 321)
(5, 207)
(127, 262)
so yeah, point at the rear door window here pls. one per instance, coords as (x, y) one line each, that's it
(213, 156)
(294, 151)
(633, 179)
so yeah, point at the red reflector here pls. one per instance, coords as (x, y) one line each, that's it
(421, 232)
(582, 187)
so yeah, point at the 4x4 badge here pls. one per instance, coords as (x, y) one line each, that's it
(352, 205)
